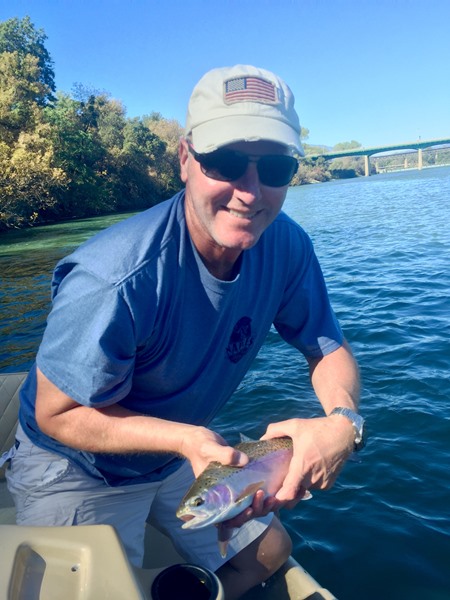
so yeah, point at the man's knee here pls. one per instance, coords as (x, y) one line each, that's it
(275, 547)
(257, 562)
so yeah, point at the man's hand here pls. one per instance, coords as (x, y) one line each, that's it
(202, 446)
(321, 447)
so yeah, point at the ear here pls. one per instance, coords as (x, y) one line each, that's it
(183, 155)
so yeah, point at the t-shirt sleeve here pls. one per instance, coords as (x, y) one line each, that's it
(88, 348)
(306, 319)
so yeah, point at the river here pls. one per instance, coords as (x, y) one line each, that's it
(383, 531)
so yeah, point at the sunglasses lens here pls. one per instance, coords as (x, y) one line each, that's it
(224, 165)
(276, 170)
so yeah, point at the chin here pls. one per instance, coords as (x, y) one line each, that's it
(242, 244)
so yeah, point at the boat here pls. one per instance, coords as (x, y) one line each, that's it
(88, 562)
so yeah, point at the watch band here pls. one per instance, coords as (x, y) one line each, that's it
(358, 425)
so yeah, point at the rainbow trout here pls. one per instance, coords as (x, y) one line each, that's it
(221, 492)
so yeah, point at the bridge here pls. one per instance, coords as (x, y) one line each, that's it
(418, 145)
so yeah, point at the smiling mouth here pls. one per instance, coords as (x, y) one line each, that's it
(243, 215)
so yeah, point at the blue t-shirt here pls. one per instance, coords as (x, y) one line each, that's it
(137, 319)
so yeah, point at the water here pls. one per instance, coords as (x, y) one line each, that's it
(383, 531)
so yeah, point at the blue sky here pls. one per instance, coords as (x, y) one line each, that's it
(375, 71)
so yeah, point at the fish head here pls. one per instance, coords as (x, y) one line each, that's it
(200, 508)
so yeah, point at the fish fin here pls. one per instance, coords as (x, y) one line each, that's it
(224, 535)
(223, 545)
(249, 491)
(245, 438)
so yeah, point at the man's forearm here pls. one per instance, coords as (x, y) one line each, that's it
(335, 379)
(112, 429)
(116, 430)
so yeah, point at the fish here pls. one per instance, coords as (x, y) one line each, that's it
(222, 492)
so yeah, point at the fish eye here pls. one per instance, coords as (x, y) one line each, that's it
(197, 501)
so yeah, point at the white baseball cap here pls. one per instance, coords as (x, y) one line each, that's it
(242, 103)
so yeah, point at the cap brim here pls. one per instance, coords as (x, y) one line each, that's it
(209, 136)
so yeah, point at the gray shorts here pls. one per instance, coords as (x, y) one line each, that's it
(50, 490)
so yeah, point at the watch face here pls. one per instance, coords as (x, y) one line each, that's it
(362, 443)
(358, 422)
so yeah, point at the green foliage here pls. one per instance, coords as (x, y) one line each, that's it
(78, 152)
(347, 145)
(311, 171)
(20, 93)
(72, 156)
(29, 181)
(346, 167)
(318, 170)
(20, 36)
(304, 133)
(166, 170)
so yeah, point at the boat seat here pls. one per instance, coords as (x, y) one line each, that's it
(10, 384)
(74, 563)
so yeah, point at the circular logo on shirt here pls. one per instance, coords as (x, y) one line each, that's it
(241, 339)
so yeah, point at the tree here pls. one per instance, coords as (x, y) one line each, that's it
(107, 158)
(304, 133)
(111, 122)
(311, 171)
(141, 150)
(78, 151)
(28, 175)
(347, 146)
(167, 171)
(21, 36)
(19, 90)
(29, 181)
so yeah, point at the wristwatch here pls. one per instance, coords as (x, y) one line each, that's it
(358, 425)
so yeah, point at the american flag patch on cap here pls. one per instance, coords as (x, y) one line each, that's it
(250, 89)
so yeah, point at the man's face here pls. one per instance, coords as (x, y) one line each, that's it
(225, 218)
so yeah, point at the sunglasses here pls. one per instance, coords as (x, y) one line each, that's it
(274, 170)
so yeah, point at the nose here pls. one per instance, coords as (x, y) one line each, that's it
(248, 185)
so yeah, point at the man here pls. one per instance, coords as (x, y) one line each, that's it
(155, 322)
